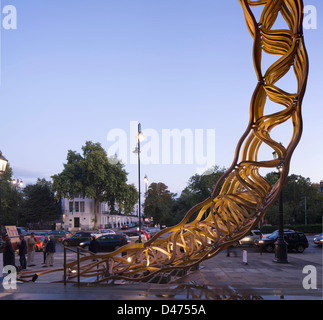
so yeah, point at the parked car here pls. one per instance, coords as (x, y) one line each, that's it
(295, 241)
(318, 239)
(102, 232)
(77, 238)
(250, 238)
(108, 242)
(134, 236)
(276, 232)
(22, 230)
(59, 235)
(152, 230)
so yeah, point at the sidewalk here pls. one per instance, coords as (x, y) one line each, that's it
(221, 277)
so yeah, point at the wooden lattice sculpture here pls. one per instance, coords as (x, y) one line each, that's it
(242, 196)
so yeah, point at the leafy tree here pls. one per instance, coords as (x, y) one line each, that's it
(92, 175)
(295, 190)
(11, 199)
(158, 204)
(39, 205)
(198, 189)
(128, 198)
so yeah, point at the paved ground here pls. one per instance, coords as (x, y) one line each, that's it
(219, 278)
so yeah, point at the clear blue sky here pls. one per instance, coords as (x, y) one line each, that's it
(74, 70)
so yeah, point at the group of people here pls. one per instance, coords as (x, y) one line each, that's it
(28, 247)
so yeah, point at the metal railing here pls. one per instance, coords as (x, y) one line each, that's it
(79, 251)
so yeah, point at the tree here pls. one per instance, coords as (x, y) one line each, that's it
(92, 175)
(295, 191)
(159, 203)
(198, 189)
(39, 205)
(11, 199)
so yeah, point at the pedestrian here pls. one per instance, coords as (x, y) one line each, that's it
(8, 253)
(123, 242)
(50, 250)
(22, 246)
(231, 249)
(31, 247)
(94, 246)
(44, 249)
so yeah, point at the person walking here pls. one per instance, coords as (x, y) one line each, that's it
(44, 249)
(22, 246)
(94, 246)
(50, 250)
(123, 242)
(8, 253)
(31, 247)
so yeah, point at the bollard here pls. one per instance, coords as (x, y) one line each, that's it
(244, 257)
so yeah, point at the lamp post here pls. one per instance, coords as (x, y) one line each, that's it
(280, 244)
(140, 137)
(16, 182)
(3, 165)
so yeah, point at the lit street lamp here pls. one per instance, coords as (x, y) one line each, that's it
(17, 183)
(280, 244)
(140, 138)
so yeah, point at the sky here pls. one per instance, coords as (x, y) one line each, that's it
(74, 71)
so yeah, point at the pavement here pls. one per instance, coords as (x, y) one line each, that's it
(220, 278)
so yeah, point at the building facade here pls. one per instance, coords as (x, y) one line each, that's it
(78, 215)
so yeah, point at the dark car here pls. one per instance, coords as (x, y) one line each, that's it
(76, 239)
(295, 241)
(59, 235)
(108, 242)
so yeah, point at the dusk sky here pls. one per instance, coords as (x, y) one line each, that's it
(78, 70)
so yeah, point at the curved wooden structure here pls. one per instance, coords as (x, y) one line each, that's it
(244, 196)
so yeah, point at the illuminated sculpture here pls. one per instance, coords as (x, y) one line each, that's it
(242, 196)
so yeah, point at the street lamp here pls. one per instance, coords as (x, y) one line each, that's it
(140, 137)
(280, 244)
(17, 183)
(3, 165)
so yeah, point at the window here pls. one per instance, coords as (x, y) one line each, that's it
(71, 206)
(292, 237)
(82, 206)
(77, 207)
